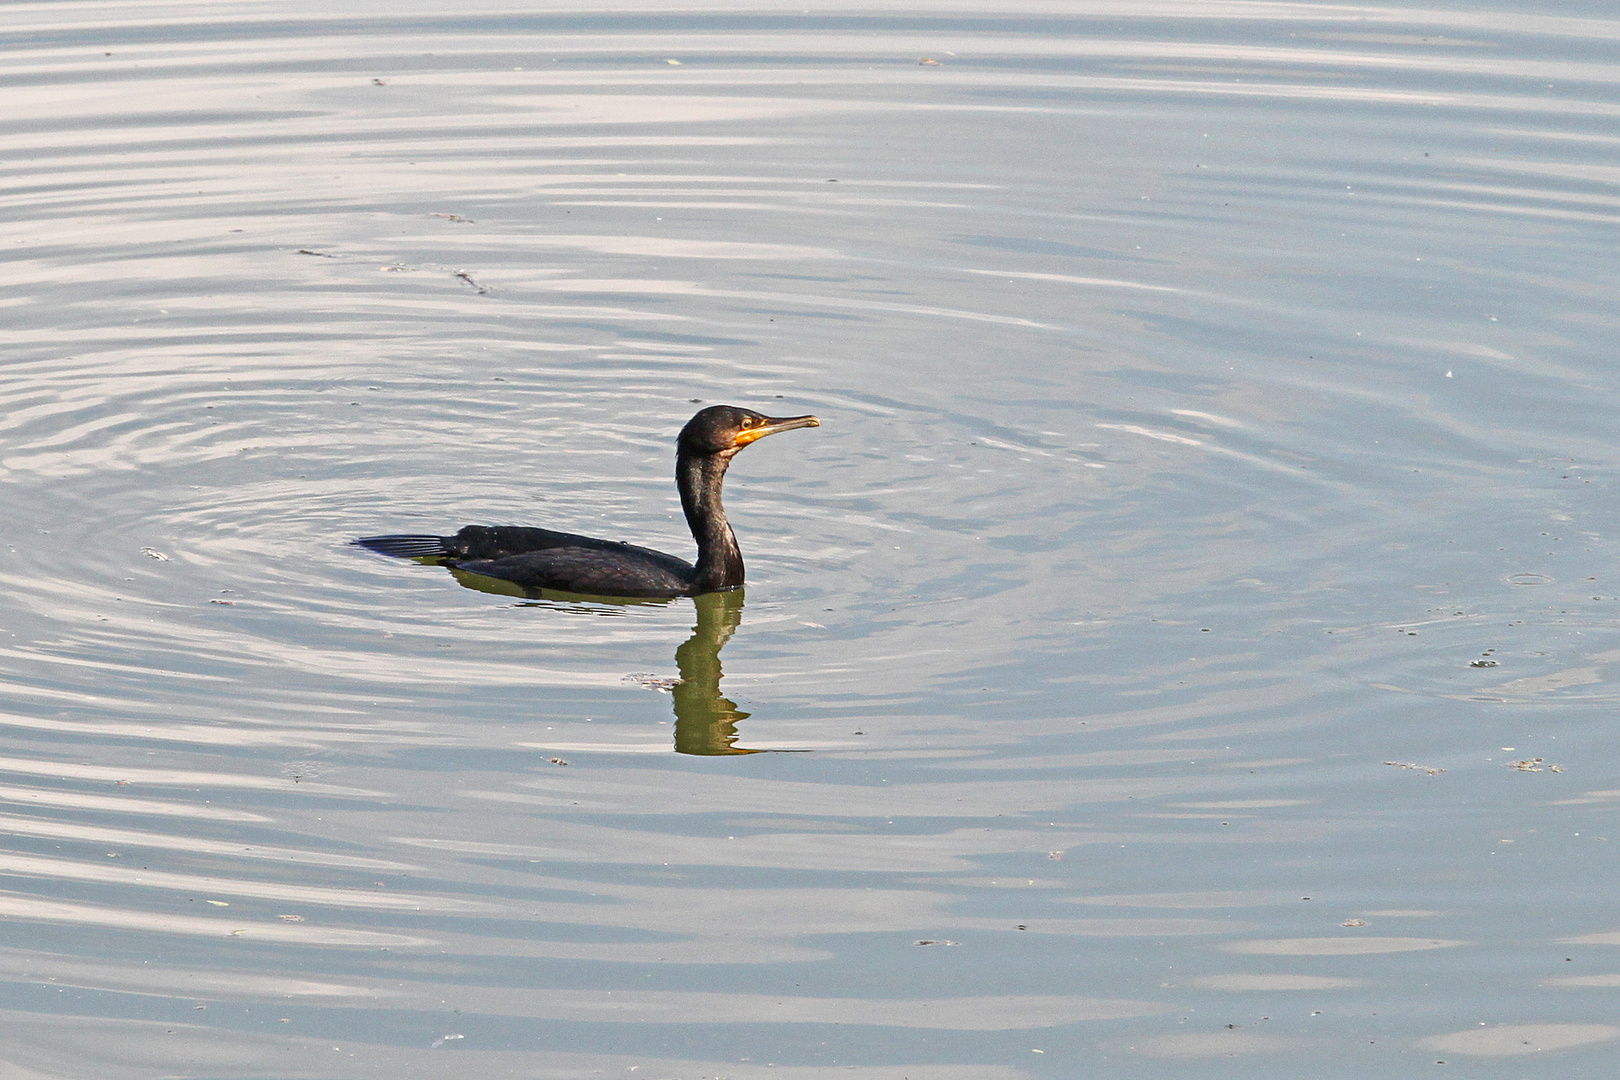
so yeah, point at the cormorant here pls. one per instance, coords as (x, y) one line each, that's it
(543, 559)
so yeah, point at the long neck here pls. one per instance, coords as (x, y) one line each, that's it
(719, 562)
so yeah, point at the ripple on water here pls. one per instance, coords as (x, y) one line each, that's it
(1201, 382)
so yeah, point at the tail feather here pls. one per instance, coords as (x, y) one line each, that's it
(407, 547)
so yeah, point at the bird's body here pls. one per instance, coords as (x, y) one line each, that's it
(541, 559)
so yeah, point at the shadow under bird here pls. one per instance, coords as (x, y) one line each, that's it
(537, 559)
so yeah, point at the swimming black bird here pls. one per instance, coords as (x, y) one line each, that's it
(543, 559)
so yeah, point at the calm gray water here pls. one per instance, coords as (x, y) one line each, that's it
(1198, 613)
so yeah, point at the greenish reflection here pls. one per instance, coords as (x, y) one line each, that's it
(705, 721)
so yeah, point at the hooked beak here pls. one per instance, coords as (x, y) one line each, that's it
(771, 427)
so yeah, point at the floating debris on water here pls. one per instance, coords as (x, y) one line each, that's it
(1427, 770)
(652, 681)
(1534, 764)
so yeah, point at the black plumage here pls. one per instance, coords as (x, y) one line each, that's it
(539, 559)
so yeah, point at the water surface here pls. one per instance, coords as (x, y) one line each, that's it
(1206, 559)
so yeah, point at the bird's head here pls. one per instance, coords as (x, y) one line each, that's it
(725, 429)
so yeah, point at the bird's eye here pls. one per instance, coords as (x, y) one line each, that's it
(748, 421)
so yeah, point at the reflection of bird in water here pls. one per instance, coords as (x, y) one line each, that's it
(705, 722)
(542, 559)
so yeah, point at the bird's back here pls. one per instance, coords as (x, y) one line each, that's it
(610, 569)
(547, 559)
